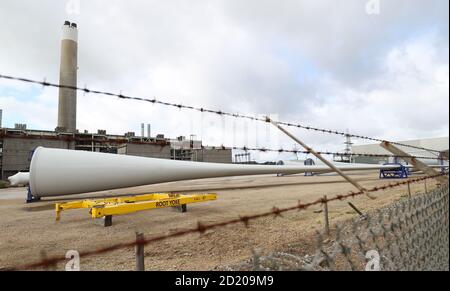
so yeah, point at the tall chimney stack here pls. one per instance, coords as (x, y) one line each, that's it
(67, 107)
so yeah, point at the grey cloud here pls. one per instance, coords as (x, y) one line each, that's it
(341, 38)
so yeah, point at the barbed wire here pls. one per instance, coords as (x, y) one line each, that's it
(281, 150)
(202, 228)
(205, 110)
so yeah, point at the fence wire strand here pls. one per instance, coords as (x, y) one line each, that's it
(120, 95)
(349, 155)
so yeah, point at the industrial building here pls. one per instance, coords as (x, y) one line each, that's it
(17, 144)
(177, 149)
(438, 144)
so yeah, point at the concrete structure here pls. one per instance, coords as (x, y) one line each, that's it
(191, 151)
(145, 150)
(16, 153)
(439, 144)
(210, 155)
(17, 145)
(67, 106)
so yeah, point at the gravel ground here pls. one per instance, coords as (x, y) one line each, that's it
(28, 230)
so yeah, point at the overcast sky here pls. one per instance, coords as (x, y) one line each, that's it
(377, 70)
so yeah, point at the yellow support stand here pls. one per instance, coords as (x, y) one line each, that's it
(106, 208)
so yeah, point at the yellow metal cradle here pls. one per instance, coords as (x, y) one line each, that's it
(106, 208)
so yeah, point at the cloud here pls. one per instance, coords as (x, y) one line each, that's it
(408, 99)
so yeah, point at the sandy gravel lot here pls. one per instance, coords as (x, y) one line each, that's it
(27, 230)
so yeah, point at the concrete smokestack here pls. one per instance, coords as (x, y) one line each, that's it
(67, 107)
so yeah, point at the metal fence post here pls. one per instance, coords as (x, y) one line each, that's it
(140, 265)
(356, 209)
(325, 211)
(409, 190)
(426, 188)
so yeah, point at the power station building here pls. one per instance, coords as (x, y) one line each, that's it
(437, 144)
(17, 144)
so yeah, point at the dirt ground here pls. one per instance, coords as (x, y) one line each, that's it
(27, 230)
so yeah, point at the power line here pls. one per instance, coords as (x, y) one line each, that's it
(266, 150)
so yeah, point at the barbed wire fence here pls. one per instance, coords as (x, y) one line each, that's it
(408, 235)
(180, 106)
(295, 151)
(201, 228)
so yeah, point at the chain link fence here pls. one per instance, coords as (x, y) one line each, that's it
(409, 235)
